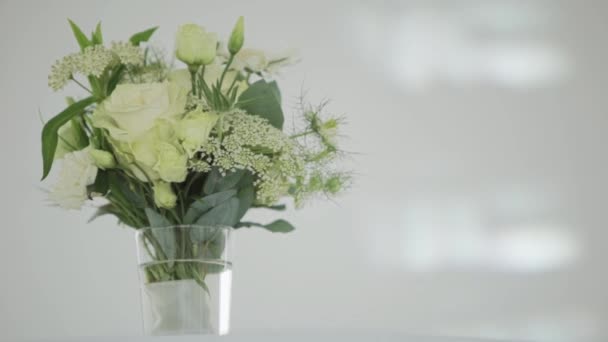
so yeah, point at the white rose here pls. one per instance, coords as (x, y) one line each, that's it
(78, 171)
(133, 109)
(194, 45)
(194, 129)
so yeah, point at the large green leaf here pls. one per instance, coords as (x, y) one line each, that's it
(278, 226)
(225, 214)
(49, 132)
(142, 36)
(263, 99)
(246, 197)
(199, 207)
(81, 38)
(212, 179)
(162, 239)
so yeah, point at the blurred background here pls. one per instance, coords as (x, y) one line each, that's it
(478, 132)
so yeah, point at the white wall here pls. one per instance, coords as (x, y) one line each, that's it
(479, 205)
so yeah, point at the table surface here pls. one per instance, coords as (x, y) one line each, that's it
(291, 337)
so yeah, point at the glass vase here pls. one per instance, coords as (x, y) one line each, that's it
(186, 279)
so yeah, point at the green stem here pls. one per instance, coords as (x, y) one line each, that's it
(193, 70)
(81, 85)
(299, 135)
(200, 93)
(230, 59)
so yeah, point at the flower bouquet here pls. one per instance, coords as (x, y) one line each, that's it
(181, 155)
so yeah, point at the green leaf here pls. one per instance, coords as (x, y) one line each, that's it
(246, 197)
(278, 226)
(278, 207)
(120, 187)
(97, 37)
(225, 214)
(211, 181)
(49, 132)
(199, 207)
(229, 181)
(164, 237)
(156, 220)
(142, 36)
(115, 78)
(81, 38)
(81, 137)
(263, 99)
(102, 183)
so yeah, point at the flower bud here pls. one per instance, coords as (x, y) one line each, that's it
(334, 184)
(237, 37)
(164, 197)
(195, 46)
(103, 159)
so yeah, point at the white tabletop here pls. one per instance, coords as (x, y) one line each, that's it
(283, 337)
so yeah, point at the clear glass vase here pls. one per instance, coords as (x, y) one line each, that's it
(186, 279)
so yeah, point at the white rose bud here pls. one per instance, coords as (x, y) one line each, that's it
(194, 45)
(103, 159)
(164, 197)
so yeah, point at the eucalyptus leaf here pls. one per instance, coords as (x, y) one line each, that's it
(224, 214)
(50, 137)
(263, 99)
(142, 36)
(229, 181)
(200, 206)
(246, 197)
(162, 239)
(278, 226)
(211, 181)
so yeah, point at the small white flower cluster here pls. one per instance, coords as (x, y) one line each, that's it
(251, 143)
(127, 53)
(93, 60)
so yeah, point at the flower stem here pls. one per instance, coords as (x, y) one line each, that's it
(299, 135)
(193, 71)
(81, 85)
(230, 59)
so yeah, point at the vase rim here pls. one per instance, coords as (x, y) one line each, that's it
(182, 226)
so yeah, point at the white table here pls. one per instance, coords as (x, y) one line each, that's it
(286, 337)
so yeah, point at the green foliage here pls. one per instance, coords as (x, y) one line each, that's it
(50, 136)
(201, 206)
(81, 38)
(263, 99)
(224, 214)
(278, 226)
(96, 36)
(142, 36)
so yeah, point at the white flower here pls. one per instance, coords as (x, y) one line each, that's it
(268, 65)
(133, 109)
(78, 171)
(252, 59)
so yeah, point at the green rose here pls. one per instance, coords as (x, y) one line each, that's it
(195, 46)
(133, 109)
(194, 129)
(164, 197)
